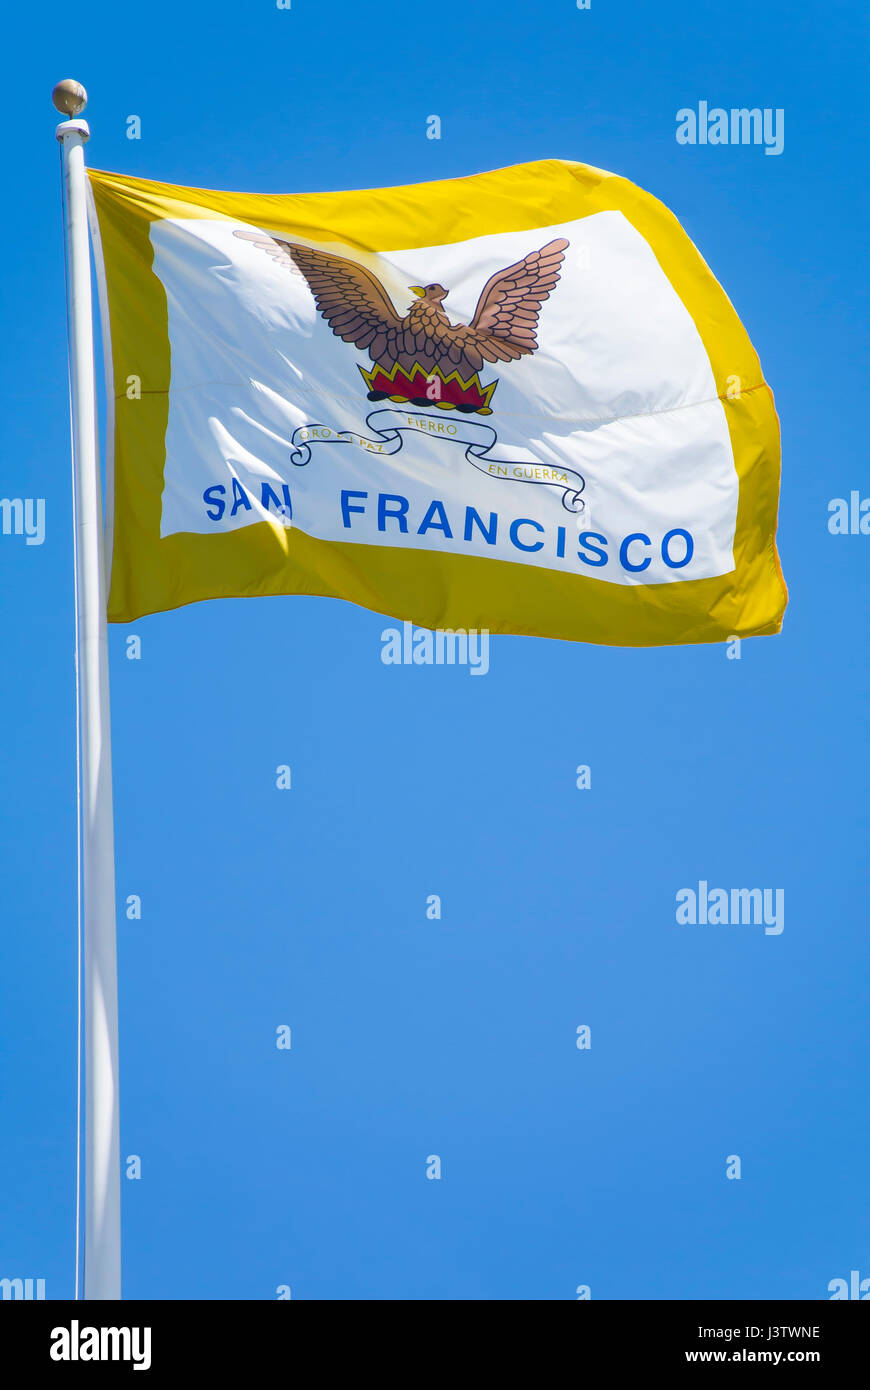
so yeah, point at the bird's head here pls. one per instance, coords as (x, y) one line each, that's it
(434, 293)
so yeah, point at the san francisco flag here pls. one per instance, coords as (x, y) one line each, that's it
(517, 401)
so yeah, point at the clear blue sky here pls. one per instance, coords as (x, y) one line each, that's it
(308, 907)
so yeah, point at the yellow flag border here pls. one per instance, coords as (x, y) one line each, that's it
(151, 574)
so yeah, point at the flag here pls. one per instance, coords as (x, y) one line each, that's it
(517, 401)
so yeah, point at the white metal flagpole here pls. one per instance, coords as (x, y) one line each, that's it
(102, 1133)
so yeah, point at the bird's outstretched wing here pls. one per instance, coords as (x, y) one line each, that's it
(506, 317)
(351, 299)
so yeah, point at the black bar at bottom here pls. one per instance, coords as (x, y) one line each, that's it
(158, 1338)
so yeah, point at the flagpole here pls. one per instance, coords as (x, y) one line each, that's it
(102, 1153)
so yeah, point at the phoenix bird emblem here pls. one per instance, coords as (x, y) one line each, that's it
(422, 357)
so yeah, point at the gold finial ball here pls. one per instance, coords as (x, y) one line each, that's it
(70, 97)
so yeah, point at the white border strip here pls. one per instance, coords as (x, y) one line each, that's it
(108, 367)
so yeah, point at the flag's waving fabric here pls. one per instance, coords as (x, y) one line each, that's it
(517, 401)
